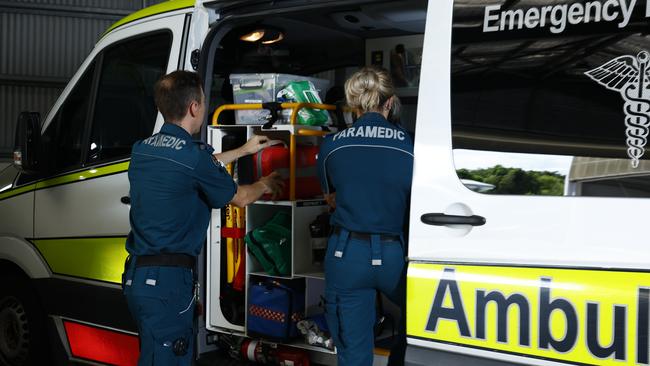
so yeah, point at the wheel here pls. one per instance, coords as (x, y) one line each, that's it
(22, 324)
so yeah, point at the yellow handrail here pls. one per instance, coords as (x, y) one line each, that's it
(295, 107)
(253, 106)
(312, 133)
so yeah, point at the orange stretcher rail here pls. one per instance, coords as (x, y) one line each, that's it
(295, 107)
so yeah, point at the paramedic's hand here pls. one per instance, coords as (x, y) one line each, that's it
(331, 200)
(257, 143)
(273, 184)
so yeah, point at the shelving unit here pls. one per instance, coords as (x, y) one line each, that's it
(303, 212)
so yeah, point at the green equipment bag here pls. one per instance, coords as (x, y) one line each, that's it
(304, 92)
(271, 245)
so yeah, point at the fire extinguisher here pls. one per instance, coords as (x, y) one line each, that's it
(256, 351)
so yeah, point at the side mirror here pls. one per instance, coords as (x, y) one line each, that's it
(27, 143)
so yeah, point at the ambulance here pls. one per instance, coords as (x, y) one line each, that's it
(492, 279)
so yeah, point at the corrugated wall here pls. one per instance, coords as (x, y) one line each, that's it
(42, 42)
(105, 4)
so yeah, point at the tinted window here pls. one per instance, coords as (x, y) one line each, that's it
(63, 139)
(555, 79)
(125, 109)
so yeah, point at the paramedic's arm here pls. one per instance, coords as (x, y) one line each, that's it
(255, 144)
(248, 194)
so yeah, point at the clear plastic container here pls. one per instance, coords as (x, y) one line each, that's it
(263, 88)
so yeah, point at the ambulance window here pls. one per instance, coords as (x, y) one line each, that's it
(125, 110)
(550, 98)
(63, 139)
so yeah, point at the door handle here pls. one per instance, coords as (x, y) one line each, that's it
(441, 219)
(126, 200)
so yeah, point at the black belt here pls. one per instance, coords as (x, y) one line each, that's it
(166, 260)
(366, 236)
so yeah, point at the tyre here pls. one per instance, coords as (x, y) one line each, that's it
(22, 324)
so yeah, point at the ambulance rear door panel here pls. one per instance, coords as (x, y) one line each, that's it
(581, 251)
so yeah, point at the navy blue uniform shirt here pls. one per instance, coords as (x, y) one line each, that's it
(174, 183)
(370, 167)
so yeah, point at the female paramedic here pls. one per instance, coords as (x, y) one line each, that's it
(365, 172)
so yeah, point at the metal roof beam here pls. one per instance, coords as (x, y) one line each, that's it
(27, 80)
(63, 10)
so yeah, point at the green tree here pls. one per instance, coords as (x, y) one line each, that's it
(517, 181)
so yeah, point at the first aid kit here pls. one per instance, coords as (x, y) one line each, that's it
(270, 244)
(275, 308)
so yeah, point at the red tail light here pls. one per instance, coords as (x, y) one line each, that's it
(102, 345)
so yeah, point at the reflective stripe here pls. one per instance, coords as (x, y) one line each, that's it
(83, 175)
(356, 145)
(17, 191)
(101, 345)
(164, 7)
(68, 178)
(576, 316)
(100, 259)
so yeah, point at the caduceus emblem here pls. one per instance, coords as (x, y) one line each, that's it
(629, 76)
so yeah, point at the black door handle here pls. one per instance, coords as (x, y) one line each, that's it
(126, 200)
(441, 219)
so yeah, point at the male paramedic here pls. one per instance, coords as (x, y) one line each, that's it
(175, 182)
(366, 173)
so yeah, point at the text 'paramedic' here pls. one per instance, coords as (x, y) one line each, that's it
(371, 132)
(556, 17)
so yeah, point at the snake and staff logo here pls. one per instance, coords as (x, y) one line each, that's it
(630, 76)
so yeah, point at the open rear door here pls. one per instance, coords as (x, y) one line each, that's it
(526, 273)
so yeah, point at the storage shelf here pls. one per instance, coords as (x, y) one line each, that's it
(316, 275)
(303, 345)
(264, 274)
(293, 129)
(303, 212)
(298, 203)
(273, 203)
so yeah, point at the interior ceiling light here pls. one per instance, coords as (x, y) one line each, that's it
(278, 38)
(253, 36)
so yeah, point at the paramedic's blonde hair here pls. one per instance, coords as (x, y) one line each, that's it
(368, 89)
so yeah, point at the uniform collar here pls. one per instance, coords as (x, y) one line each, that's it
(371, 118)
(174, 130)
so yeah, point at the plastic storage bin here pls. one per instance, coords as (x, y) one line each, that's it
(262, 88)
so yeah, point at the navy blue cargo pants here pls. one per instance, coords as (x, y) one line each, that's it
(354, 270)
(161, 300)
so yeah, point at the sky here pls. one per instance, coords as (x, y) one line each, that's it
(474, 159)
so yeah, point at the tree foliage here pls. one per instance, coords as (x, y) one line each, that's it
(517, 181)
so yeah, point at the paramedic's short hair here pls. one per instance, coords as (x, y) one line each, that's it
(175, 91)
(368, 89)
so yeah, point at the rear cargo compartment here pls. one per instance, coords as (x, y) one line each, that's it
(255, 88)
